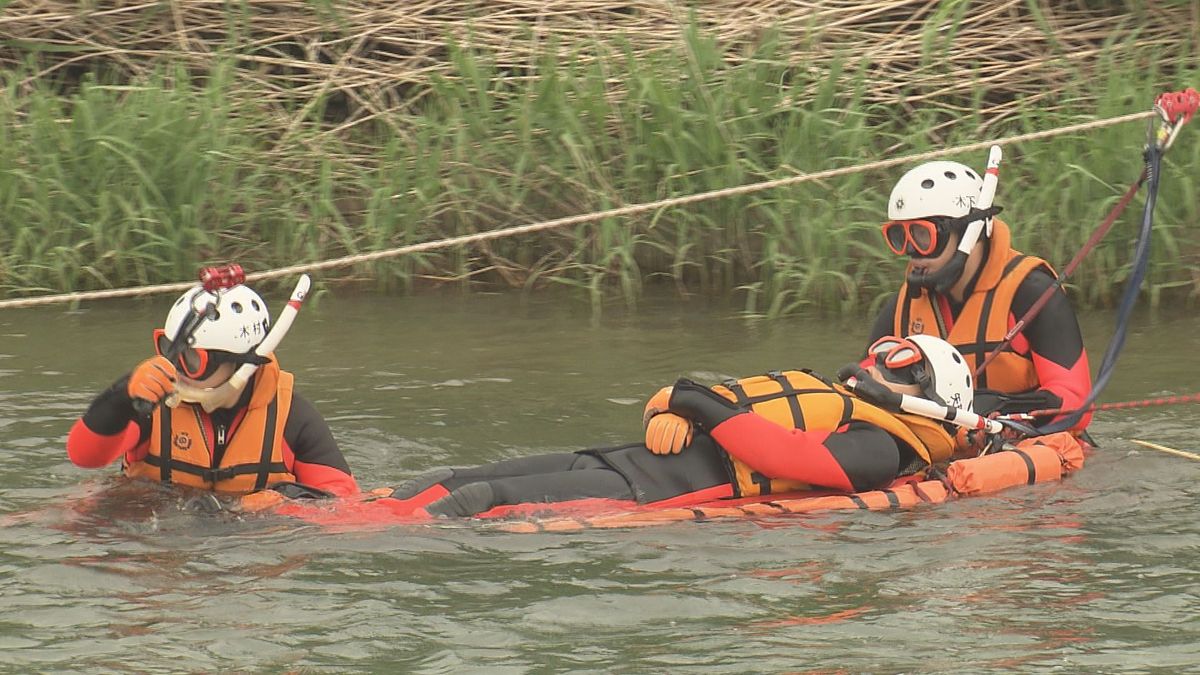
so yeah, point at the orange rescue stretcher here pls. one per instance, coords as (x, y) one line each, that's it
(1038, 460)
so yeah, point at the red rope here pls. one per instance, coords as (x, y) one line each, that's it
(1053, 288)
(1121, 405)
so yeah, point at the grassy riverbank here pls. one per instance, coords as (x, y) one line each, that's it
(111, 177)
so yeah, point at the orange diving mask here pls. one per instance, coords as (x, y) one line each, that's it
(196, 363)
(923, 237)
(900, 361)
(894, 352)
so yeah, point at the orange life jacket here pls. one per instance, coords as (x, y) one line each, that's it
(181, 451)
(983, 322)
(799, 399)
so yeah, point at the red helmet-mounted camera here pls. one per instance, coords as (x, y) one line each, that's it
(222, 277)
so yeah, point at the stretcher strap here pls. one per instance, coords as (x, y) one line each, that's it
(1029, 465)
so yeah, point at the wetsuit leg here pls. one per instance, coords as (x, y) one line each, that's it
(451, 479)
(547, 478)
(700, 467)
(521, 466)
(599, 482)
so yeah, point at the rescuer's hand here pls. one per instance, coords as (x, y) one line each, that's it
(868, 388)
(668, 433)
(152, 380)
(657, 404)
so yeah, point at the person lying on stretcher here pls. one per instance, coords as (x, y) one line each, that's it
(783, 432)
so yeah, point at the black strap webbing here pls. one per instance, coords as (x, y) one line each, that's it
(893, 499)
(1028, 465)
(164, 446)
(215, 475)
(738, 391)
(788, 391)
(268, 445)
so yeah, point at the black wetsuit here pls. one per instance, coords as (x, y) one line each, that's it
(861, 457)
(1055, 344)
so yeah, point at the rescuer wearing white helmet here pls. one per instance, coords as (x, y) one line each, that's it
(965, 283)
(181, 416)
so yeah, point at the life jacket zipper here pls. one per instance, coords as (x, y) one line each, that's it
(219, 449)
(220, 434)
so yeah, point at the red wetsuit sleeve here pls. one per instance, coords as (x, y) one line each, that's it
(1070, 386)
(107, 430)
(1055, 344)
(316, 459)
(325, 478)
(855, 458)
(91, 450)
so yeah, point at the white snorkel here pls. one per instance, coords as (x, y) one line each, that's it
(227, 393)
(957, 416)
(943, 413)
(987, 194)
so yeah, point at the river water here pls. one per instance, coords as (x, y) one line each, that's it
(1095, 574)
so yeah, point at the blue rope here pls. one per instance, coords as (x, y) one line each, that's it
(1141, 263)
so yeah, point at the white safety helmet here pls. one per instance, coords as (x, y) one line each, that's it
(241, 320)
(949, 377)
(940, 188)
(929, 362)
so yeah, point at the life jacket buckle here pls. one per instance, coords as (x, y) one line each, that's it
(218, 475)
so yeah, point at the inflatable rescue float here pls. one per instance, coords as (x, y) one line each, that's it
(1038, 460)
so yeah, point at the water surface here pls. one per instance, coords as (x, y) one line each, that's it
(1096, 574)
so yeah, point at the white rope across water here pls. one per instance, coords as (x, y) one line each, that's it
(631, 209)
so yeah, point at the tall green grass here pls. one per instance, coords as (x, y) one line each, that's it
(142, 182)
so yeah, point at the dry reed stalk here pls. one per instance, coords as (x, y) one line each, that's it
(380, 56)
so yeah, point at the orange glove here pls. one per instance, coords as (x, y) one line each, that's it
(666, 433)
(657, 404)
(152, 380)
